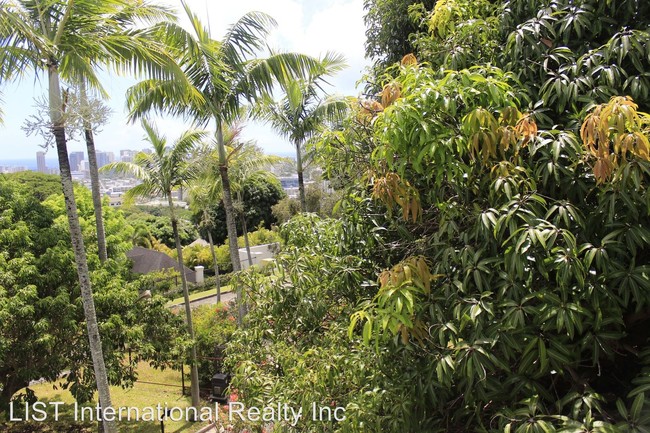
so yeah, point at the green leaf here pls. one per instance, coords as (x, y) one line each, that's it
(637, 406)
(367, 331)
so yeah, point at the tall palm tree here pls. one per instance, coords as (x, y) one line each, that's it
(244, 160)
(248, 161)
(130, 47)
(222, 75)
(63, 38)
(166, 169)
(300, 114)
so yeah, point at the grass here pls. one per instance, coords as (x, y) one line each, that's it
(199, 295)
(141, 395)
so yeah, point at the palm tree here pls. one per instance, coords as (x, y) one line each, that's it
(201, 200)
(142, 236)
(161, 172)
(205, 192)
(221, 76)
(244, 160)
(63, 38)
(248, 161)
(129, 47)
(301, 112)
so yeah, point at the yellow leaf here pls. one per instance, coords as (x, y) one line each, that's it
(390, 93)
(409, 60)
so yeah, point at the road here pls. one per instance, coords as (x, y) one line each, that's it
(225, 298)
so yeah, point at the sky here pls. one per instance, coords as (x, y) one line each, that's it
(311, 27)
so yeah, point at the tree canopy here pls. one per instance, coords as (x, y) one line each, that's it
(259, 194)
(389, 27)
(489, 270)
(42, 327)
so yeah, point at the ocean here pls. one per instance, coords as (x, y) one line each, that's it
(30, 163)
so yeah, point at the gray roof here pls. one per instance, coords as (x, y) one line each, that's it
(199, 242)
(146, 261)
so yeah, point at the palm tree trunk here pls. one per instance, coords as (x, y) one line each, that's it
(245, 230)
(301, 182)
(216, 266)
(248, 245)
(188, 308)
(76, 239)
(94, 179)
(231, 224)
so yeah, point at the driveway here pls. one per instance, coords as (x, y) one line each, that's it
(225, 298)
(208, 300)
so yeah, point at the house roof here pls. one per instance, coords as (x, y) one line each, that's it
(200, 242)
(146, 261)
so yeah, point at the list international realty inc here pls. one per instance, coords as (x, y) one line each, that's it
(277, 412)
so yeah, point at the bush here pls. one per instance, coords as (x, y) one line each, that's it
(261, 236)
(199, 255)
(213, 326)
(486, 275)
(285, 209)
(161, 282)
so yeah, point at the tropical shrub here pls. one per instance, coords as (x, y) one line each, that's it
(495, 273)
(293, 346)
(213, 326)
(41, 316)
(522, 274)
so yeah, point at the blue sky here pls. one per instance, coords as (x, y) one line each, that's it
(308, 26)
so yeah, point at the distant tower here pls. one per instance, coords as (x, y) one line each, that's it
(40, 162)
(75, 159)
(126, 155)
(102, 159)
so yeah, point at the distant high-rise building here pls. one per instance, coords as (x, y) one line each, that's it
(104, 158)
(75, 160)
(40, 162)
(127, 155)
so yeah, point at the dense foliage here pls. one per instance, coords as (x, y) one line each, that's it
(200, 254)
(316, 200)
(42, 332)
(389, 27)
(39, 184)
(490, 270)
(158, 227)
(294, 347)
(259, 194)
(214, 326)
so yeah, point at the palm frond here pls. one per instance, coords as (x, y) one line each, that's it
(22, 47)
(246, 37)
(77, 68)
(166, 96)
(262, 74)
(128, 168)
(131, 13)
(153, 136)
(333, 63)
(140, 191)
